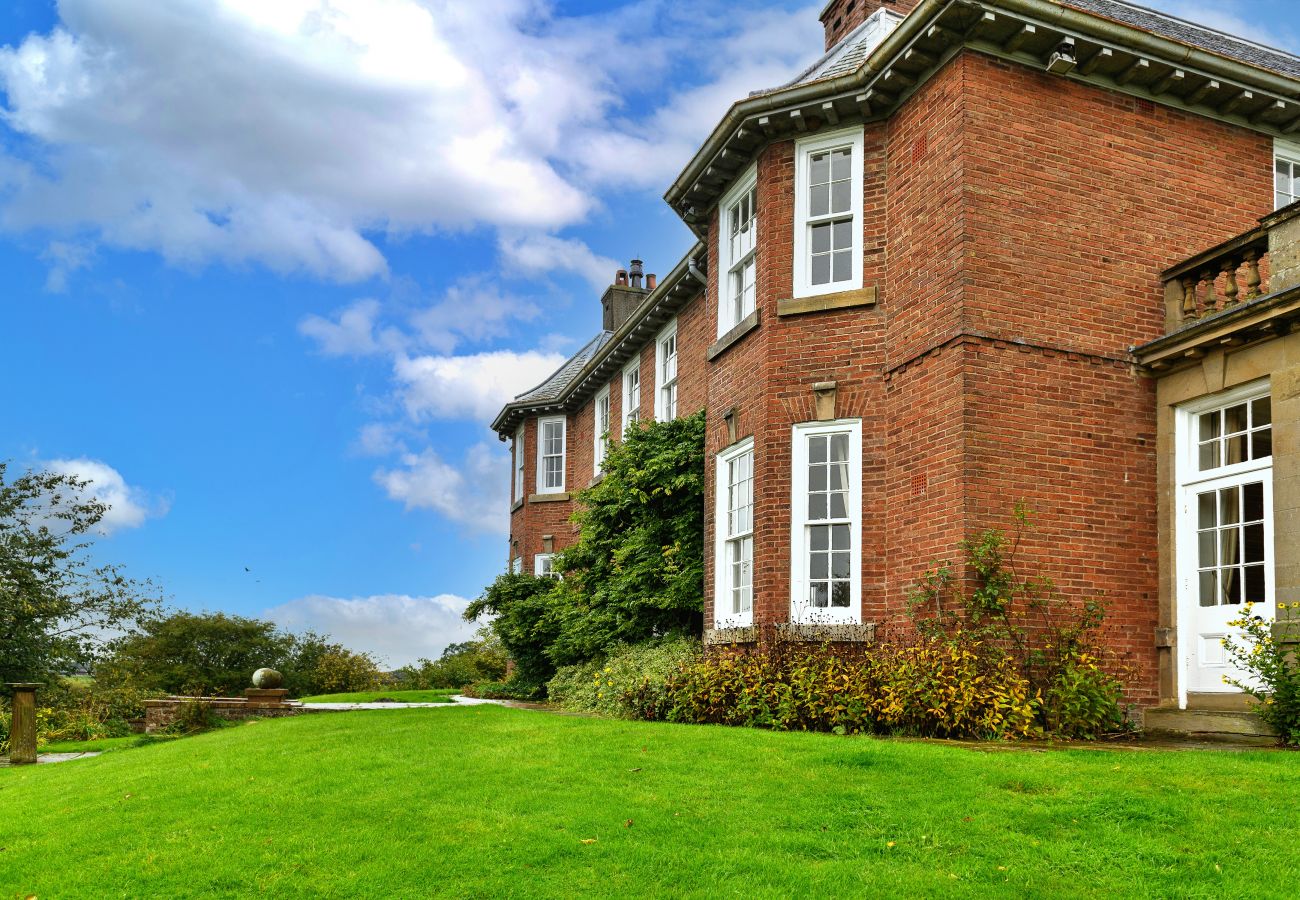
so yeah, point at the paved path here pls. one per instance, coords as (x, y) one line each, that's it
(51, 758)
(348, 707)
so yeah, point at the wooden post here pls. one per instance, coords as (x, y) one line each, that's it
(22, 729)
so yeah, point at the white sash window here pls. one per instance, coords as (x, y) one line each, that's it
(826, 522)
(828, 213)
(550, 455)
(734, 537)
(631, 394)
(737, 252)
(666, 354)
(601, 429)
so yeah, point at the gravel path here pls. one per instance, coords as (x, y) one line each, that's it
(347, 707)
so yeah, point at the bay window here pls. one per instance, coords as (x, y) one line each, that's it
(828, 213)
(550, 455)
(826, 522)
(734, 537)
(737, 252)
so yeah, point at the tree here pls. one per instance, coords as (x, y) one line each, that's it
(56, 606)
(637, 570)
(319, 666)
(196, 653)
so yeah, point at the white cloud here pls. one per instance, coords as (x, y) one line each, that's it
(477, 494)
(473, 309)
(128, 506)
(396, 628)
(288, 134)
(544, 254)
(350, 333)
(473, 386)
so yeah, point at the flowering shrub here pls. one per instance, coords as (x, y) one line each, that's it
(626, 682)
(1274, 671)
(929, 687)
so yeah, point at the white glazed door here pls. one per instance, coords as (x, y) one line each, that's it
(1227, 537)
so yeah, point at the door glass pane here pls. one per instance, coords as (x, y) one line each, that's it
(1253, 540)
(1230, 581)
(1253, 495)
(1206, 506)
(1261, 412)
(1261, 444)
(1205, 551)
(1209, 589)
(1230, 546)
(1255, 584)
(1229, 508)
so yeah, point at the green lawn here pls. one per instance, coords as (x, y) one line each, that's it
(485, 801)
(99, 746)
(435, 696)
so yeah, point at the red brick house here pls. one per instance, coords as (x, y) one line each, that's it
(961, 261)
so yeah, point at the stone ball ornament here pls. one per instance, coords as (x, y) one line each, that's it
(267, 679)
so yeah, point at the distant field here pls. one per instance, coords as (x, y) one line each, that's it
(438, 696)
(484, 801)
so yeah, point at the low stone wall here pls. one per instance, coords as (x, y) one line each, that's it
(158, 714)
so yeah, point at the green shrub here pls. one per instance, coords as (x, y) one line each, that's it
(929, 687)
(514, 689)
(194, 716)
(1273, 669)
(482, 659)
(630, 682)
(1084, 700)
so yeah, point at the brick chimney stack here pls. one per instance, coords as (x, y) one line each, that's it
(623, 296)
(839, 17)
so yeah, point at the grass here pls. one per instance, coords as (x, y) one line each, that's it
(434, 696)
(487, 801)
(99, 745)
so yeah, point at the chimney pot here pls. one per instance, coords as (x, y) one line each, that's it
(634, 273)
(620, 277)
(650, 281)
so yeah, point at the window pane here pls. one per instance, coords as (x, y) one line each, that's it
(1255, 584)
(819, 169)
(1229, 507)
(843, 235)
(821, 238)
(839, 508)
(839, 448)
(841, 168)
(840, 594)
(817, 449)
(1206, 510)
(1230, 581)
(843, 267)
(1209, 426)
(821, 270)
(1261, 444)
(840, 196)
(1209, 456)
(817, 595)
(817, 478)
(1209, 589)
(1234, 419)
(1234, 449)
(820, 537)
(1261, 412)
(840, 537)
(839, 477)
(1230, 545)
(819, 565)
(839, 565)
(1253, 495)
(817, 506)
(1205, 557)
(819, 199)
(1254, 540)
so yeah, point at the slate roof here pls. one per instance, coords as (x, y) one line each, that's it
(854, 48)
(554, 386)
(1192, 34)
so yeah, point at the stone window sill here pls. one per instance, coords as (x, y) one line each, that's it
(719, 637)
(732, 337)
(518, 504)
(548, 498)
(841, 300)
(837, 634)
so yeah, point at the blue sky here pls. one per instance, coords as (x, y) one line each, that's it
(270, 268)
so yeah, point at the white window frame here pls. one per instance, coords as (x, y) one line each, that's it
(544, 566)
(1287, 152)
(518, 483)
(517, 565)
(600, 408)
(1191, 480)
(631, 411)
(804, 150)
(724, 614)
(728, 268)
(666, 395)
(800, 608)
(542, 487)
